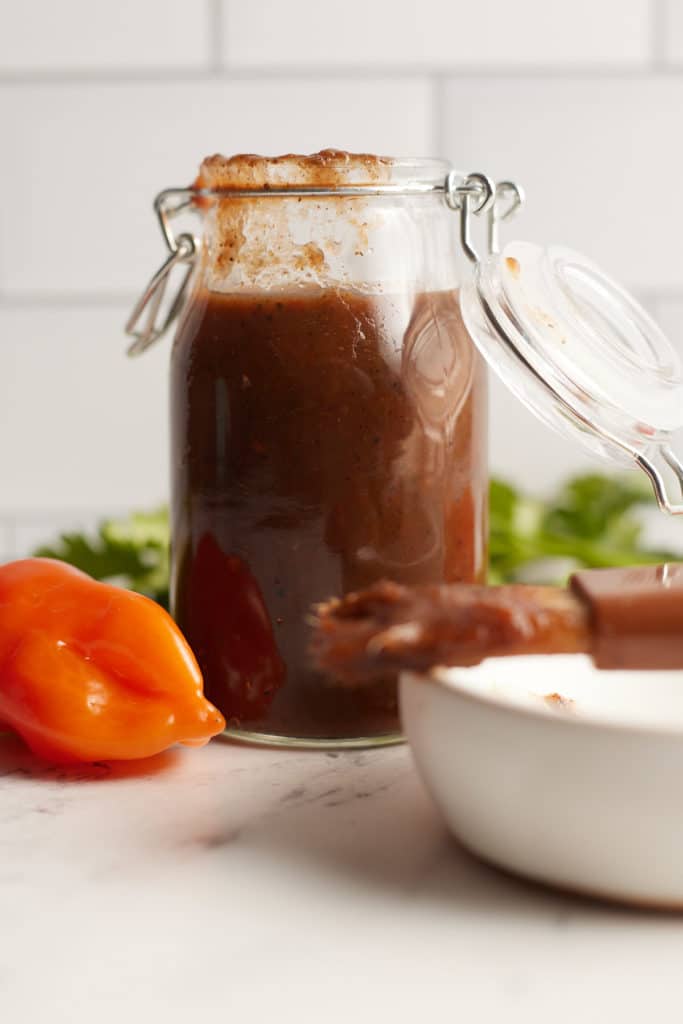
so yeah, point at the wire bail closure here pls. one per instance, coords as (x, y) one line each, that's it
(149, 303)
(659, 484)
(475, 195)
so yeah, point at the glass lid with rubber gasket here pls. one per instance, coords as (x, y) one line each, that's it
(576, 348)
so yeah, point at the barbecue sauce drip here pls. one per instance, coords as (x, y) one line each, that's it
(323, 439)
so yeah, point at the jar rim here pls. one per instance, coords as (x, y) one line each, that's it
(329, 172)
(420, 170)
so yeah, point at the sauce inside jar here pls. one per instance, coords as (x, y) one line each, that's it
(323, 438)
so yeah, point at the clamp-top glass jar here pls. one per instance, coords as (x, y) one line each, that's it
(328, 405)
(328, 416)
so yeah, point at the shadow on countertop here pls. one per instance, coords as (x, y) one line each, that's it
(370, 825)
(361, 823)
(17, 761)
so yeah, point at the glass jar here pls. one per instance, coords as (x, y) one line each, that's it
(328, 415)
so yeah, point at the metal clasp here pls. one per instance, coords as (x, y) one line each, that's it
(477, 194)
(659, 484)
(183, 251)
(507, 200)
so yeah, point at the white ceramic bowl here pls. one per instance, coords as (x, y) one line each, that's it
(586, 795)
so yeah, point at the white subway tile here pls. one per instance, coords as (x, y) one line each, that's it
(6, 542)
(526, 452)
(672, 31)
(663, 532)
(81, 426)
(37, 529)
(442, 33)
(87, 160)
(600, 160)
(78, 35)
(668, 312)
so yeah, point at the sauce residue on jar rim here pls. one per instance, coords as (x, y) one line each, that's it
(329, 168)
(256, 241)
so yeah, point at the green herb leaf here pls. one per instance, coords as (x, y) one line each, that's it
(592, 522)
(132, 551)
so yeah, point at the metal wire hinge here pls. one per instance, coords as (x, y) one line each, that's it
(147, 323)
(476, 195)
(146, 309)
(659, 484)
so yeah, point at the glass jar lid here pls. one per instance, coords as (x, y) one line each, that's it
(577, 349)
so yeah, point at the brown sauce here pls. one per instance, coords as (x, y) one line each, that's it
(321, 440)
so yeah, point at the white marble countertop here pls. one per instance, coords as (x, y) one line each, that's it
(268, 885)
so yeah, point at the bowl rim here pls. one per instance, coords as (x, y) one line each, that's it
(436, 677)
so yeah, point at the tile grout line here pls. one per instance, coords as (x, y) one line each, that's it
(10, 527)
(66, 300)
(658, 35)
(141, 76)
(439, 116)
(216, 17)
(657, 295)
(28, 515)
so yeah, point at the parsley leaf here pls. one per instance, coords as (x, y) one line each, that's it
(132, 551)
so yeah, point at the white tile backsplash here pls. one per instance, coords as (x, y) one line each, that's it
(77, 35)
(672, 30)
(527, 452)
(668, 312)
(444, 33)
(594, 155)
(33, 531)
(90, 157)
(7, 549)
(81, 426)
(102, 105)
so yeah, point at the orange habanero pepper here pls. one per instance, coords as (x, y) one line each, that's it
(91, 672)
